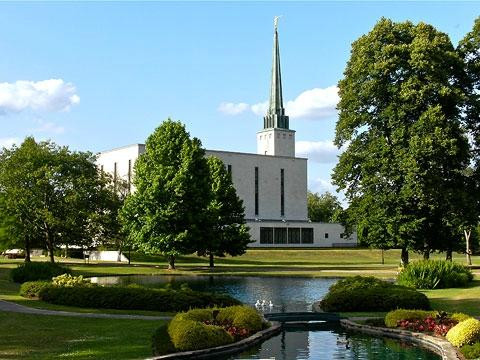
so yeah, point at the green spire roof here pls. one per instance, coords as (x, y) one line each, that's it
(276, 117)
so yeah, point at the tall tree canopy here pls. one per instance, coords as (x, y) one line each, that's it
(400, 118)
(51, 196)
(324, 207)
(167, 211)
(225, 229)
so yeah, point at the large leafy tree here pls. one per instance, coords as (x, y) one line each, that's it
(167, 211)
(323, 207)
(400, 118)
(51, 196)
(225, 231)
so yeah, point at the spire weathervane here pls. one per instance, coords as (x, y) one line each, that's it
(276, 117)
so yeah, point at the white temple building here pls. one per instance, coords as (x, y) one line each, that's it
(272, 183)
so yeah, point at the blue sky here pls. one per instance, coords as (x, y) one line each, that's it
(100, 75)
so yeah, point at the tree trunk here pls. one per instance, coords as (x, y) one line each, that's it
(211, 260)
(426, 251)
(49, 246)
(27, 249)
(404, 257)
(383, 258)
(469, 251)
(171, 262)
(448, 256)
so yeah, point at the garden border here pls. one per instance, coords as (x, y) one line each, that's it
(440, 346)
(224, 350)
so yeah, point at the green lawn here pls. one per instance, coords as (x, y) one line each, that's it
(51, 337)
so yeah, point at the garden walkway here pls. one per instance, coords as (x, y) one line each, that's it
(12, 307)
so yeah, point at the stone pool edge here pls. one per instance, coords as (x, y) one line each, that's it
(225, 350)
(438, 345)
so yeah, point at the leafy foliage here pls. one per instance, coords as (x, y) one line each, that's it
(225, 231)
(403, 170)
(471, 351)
(393, 317)
(137, 298)
(68, 280)
(371, 295)
(31, 289)
(466, 332)
(324, 207)
(434, 274)
(37, 271)
(167, 211)
(435, 322)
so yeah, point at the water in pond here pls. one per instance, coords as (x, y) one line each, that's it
(287, 294)
(334, 343)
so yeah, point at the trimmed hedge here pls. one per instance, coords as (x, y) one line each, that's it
(434, 274)
(33, 271)
(205, 328)
(138, 298)
(466, 332)
(393, 317)
(195, 335)
(31, 289)
(370, 294)
(241, 316)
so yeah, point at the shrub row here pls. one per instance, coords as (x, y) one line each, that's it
(434, 274)
(33, 271)
(206, 328)
(118, 297)
(31, 289)
(370, 294)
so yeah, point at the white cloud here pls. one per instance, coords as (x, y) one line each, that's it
(49, 127)
(229, 108)
(314, 104)
(47, 95)
(260, 109)
(8, 142)
(321, 186)
(324, 152)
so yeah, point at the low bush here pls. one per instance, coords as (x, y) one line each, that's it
(459, 317)
(31, 289)
(161, 343)
(465, 332)
(434, 274)
(138, 298)
(471, 351)
(33, 271)
(393, 317)
(186, 334)
(370, 294)
(242, 317)
(205, 328)
(68, 280)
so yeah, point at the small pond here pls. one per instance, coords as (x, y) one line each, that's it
(334, 343)
(286, 294)
(317, 342)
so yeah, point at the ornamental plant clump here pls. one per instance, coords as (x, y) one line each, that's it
(434, 274)
(68, 280)
(464, 333)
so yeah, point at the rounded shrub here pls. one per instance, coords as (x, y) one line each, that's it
(32, 271)
(31, 289)
(370, 294)
(434, 274)
(194, 335)
(466, 332)
(393, 317)
(241, 316)
(459, 317)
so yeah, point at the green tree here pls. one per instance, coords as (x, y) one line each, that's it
(324, 207)
(400, 118)
(51, 196)
(225, 231)
(167, 211)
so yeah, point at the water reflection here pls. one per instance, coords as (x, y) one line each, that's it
(286, 294)
(334, 343)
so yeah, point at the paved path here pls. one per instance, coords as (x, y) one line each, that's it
(13, 307)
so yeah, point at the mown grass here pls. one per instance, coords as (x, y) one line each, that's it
(25, 336)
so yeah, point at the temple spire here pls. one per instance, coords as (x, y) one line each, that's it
(276, 117)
